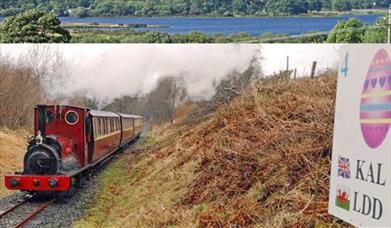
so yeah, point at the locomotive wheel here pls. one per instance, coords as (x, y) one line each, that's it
(62, 196)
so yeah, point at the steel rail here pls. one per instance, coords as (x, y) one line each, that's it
(13, 208)
(34, 213)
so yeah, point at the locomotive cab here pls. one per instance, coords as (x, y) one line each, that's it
(58, 143)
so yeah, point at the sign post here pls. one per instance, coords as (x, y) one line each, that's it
(360, 184)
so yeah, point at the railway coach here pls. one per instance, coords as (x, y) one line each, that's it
(67, 142)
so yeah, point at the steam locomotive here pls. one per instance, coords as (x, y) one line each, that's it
(67, 142)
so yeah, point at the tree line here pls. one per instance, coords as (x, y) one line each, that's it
(23, 81)
(86, 8)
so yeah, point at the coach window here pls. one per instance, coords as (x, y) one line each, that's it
(104, 126)
(100, 126)
(108, 125)
(94, 124)
(98, 132)
(97, 127)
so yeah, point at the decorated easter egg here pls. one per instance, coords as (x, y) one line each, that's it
(375, 106)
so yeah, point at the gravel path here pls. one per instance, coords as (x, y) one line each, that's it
(61, 213)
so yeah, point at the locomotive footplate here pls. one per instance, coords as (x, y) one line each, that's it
(38, 183)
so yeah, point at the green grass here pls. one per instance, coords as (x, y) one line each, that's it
(144, 190)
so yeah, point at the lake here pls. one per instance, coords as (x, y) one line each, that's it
(253, 26)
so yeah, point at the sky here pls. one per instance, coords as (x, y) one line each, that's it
(108, 71)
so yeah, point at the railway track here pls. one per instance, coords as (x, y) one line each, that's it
(18, 216)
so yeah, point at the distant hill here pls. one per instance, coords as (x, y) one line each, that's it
(85, 8)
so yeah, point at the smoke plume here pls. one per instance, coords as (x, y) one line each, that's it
(106, 72)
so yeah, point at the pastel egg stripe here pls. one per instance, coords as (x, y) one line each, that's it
(375, 107)
(379, 68)
(376, 100)
(376, 121)
(377, 82)
(379, 93)
(375, 115)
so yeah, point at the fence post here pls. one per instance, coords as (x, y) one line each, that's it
(287, 68)
(313, 69)
(294, 75)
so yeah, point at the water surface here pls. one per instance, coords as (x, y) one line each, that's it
(253, 26)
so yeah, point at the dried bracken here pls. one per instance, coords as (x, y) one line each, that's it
(13, 144)
(264, 156)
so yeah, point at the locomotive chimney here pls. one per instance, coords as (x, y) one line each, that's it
(41, 111)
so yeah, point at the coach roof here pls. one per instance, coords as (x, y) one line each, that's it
(98, 113)
(130, 116)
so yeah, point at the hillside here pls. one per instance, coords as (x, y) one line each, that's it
(260, 160)
(99, 8)
(13, 145)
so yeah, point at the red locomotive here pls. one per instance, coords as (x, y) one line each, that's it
(67, 142)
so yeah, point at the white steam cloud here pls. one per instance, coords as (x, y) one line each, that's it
(110, 71)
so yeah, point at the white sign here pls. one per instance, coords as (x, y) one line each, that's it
(360, 185)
